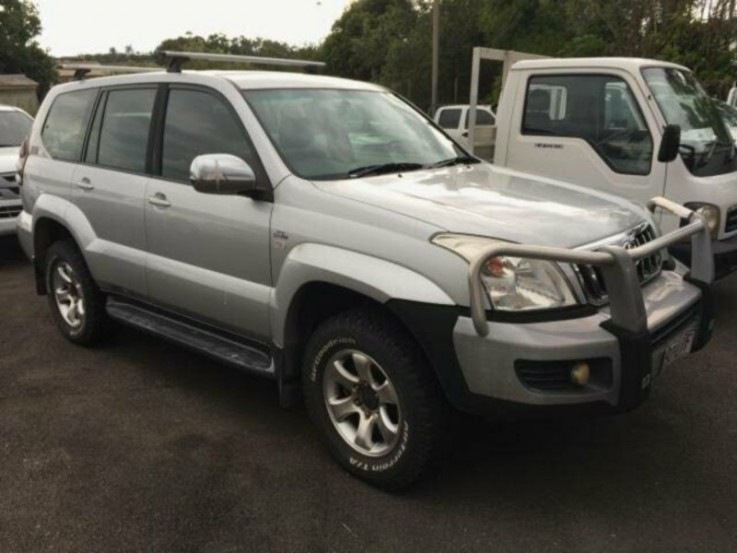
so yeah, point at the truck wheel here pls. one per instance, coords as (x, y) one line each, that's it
(368, 389)
(76, 302)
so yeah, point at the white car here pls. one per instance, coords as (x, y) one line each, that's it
(15, 124)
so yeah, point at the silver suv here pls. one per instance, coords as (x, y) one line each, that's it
(327, 235)
(14, 126)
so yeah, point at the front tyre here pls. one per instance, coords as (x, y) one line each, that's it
(76, 302)
(369, 390)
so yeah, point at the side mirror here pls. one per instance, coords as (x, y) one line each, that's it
(670, 143)
(222, 174)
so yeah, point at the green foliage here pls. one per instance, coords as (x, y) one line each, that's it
(389, 41)
(19, 51)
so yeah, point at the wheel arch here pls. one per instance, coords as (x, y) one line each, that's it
(54, 219)
(320, 282)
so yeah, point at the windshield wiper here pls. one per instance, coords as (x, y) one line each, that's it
(383, 168)
(712, 147)
(458, 160)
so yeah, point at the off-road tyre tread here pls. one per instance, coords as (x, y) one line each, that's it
(98, 326)
(382, 336)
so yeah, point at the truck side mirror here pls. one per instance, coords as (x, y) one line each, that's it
(670, 143)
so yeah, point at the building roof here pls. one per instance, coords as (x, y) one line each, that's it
(17, 81)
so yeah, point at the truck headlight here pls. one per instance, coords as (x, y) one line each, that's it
(513, 283)
(710, 213)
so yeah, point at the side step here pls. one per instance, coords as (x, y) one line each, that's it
(236, 354)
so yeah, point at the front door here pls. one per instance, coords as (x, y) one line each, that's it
(587, 129)
(208, 254)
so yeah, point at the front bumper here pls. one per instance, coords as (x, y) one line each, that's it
(24, 228)
(528, 365)
(9, 216)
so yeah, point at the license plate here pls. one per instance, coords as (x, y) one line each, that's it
(680, 346)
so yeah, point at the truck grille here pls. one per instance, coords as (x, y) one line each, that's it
(10, 211)
(731, 223)
(592, 278)
(7, 183)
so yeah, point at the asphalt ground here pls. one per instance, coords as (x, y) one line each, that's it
(141, 446)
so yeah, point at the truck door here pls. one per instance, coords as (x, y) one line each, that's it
(587, 129)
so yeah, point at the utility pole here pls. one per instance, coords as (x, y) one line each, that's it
(435, 48)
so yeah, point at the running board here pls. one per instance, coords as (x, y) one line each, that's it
(236, 354)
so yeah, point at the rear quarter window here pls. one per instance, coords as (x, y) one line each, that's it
(65, 126)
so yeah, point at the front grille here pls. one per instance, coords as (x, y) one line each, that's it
(592, 278)
(731, 223)
(10, 211)
(10, 177)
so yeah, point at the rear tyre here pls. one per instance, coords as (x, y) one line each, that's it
(369, 390)
(77, 304)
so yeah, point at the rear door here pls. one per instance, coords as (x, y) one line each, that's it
(50, 168)
(208, 254)
(587, 128)
(109, 186)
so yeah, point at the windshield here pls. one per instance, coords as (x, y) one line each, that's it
(326, 134)
(729, 114)
(683, 102)
(14, 126)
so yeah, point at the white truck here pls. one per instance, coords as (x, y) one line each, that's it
(634, 127)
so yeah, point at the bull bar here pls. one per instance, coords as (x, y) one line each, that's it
(627, 308)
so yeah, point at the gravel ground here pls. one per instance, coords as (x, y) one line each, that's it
(141, 446)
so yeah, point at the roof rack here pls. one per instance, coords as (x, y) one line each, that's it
(81, 69)
(176, 59)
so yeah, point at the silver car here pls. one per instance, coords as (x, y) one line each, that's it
(15, 124)
(325, 234)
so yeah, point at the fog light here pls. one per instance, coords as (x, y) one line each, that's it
(580, 373)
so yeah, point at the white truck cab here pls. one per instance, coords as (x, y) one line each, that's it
(600, 122)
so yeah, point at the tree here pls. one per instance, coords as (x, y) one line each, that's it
(363, 37)
(19, 50)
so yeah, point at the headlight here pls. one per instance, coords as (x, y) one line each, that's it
(513, 283)
(710, 213)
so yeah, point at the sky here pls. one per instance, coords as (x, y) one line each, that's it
(72, 27)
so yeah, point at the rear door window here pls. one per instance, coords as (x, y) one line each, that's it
(121, 130)
(483, 117)
(66, 124)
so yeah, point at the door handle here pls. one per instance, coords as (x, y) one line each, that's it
(84, 184)
(159, 200)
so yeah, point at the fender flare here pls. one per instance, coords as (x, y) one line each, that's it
(65, 213)
(376, 278)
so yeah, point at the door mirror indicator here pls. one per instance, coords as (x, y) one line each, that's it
(670, 144)
(223, 174)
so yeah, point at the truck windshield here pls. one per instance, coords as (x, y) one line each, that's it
(327, 134)
(14, 126)
(683, 102)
